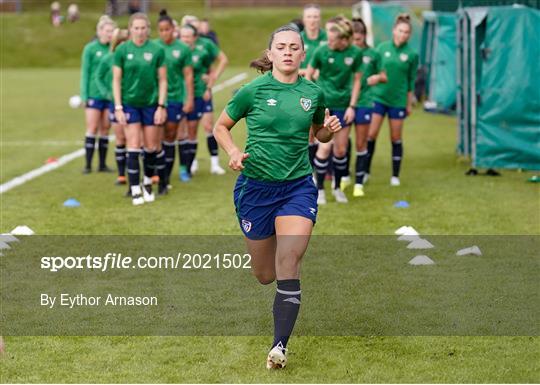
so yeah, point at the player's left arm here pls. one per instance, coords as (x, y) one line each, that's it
(161, 113)
(350, 111)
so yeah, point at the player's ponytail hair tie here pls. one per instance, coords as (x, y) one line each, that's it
(263, 64)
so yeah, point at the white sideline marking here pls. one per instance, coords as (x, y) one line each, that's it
(229, 82)
(17, 181)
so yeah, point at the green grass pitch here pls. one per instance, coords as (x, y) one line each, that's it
(36, 123)
(443, 201)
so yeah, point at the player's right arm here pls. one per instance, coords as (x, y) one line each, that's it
(222, 133)
(237, 108)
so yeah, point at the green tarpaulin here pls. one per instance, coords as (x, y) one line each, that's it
(499, 87)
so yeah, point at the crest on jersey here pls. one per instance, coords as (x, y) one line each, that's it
(387, 54)
(148, 56)
(99, 53)
(305, 103)
(246, 225)
(330, 60)
(176, 53)
(129, 56)
(349, 61)
(403, 57)
(366, 59)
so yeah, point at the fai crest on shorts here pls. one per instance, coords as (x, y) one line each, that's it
(349, 61)
(403, 57)
(148, 56)
(305, 103)
(246, 225)
(366, 59)
(176, 53)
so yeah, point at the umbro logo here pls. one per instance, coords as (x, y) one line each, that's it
(271, 102)
(313, 210)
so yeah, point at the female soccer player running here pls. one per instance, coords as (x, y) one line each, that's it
(339, 64)
(180, 88)
(140, 93)
(104, 82)
(364, 106)
(275, 198)
(97, 104)
(395, 97)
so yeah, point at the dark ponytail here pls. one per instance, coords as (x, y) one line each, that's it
(263, 64)
(359, 26)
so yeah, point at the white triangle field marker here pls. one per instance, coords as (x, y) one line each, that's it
(474, 250)
(7, 237)
(420, 244)
(420, 260)
(22, 230)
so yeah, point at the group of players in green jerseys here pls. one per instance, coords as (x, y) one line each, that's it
(315, 84)
(154, 93)
(361, 85)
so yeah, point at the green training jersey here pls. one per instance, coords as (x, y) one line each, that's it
(278, 117)
(201, 64)
(104, 76)
(311, 45)
(139, 66)
(211, 47)
(335, 76)
(370, 66)
(177, 57)
(400, 64)
(92, 55)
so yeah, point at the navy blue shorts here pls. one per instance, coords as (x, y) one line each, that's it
(112, 118)
(198, 109)
(363, 115)
(143, 115)
(258, 203)
(174, 112)
(393, 112)
(340, 115)
(208, 106)
(97, 104)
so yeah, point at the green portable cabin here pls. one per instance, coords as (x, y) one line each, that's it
(498, 79)
(438, 60)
